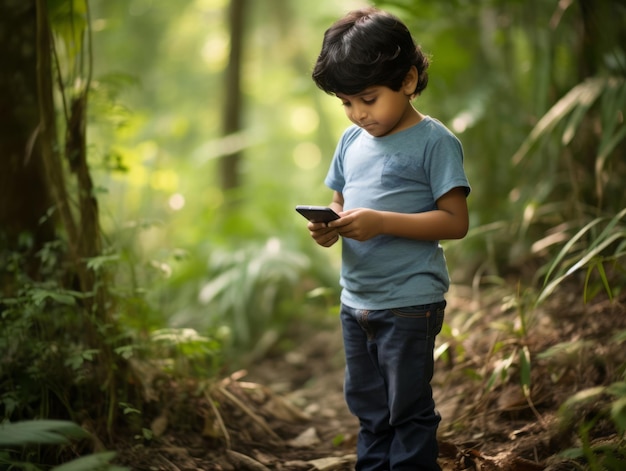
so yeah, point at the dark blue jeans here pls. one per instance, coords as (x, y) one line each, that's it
(389, 366)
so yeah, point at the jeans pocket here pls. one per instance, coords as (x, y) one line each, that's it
(424, 320)
(439, 317)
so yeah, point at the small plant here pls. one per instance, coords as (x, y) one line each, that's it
(253, 289)
(183, 352)
(599, 243)
(56, 354)
(16, 438)
(606, 402)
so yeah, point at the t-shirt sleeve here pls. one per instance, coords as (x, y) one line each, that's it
(335, 177)
(446, 167)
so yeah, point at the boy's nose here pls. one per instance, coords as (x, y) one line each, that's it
(360, 114)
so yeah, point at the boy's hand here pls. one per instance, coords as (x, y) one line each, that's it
(322, 234)
(358, 224)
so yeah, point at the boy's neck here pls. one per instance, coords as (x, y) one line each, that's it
(412, 118)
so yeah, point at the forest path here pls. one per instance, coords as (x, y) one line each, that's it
(288, 411)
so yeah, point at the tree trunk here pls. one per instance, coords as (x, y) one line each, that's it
(230, 175)
(25, 196)
(42, 155)
(81, 226)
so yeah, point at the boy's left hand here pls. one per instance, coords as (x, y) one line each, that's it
(358, 224)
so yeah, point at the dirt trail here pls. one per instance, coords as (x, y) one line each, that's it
(288, 411)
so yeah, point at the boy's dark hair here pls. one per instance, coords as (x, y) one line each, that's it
(365, 48)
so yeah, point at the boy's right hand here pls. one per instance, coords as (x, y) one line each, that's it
(322, 234)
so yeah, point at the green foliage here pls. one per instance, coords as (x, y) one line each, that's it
(605, 401)
(96, 462)
(250, 289)
(41, 354)
(185, 353)
(69, 19)
(48, 432)
(601, 242)
(592, 409)
(55, 351)
(564, 205)
(543, 142)
(254, 291)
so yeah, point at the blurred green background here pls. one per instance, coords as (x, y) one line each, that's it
(157, 134)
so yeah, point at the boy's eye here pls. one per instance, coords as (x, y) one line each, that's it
(365, 100)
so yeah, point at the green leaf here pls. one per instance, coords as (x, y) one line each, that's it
(619, 336)
(524, 358)
(338, 440)
(617, 389)
(609, 235)
(569, 348)
(39, 296)
(95, 263)
(587, 97)
(95, 462)
(618, 414)
(573, 453)
(69, 21)
(501, 369)
(43, 432)
(129, 409)
(613, 102)
(568, 246)
(589, 90)
(582, 397)
(599, 265)
(125, 351)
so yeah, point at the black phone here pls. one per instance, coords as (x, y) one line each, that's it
(317, 213)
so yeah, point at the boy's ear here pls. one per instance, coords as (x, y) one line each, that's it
(409, 84)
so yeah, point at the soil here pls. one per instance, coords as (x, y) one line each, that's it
(287, 412)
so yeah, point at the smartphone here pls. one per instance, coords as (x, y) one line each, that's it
(317, 213)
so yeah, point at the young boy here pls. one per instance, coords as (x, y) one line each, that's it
(399, 187)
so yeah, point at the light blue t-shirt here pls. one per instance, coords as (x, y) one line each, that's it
(405, 172)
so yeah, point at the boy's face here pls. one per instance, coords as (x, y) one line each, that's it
(381, 111)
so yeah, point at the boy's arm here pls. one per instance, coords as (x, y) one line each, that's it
(449, 221)
(337, 204)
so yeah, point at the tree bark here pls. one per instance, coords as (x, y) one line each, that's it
(230, 173)
(35, 203)
(25, 196)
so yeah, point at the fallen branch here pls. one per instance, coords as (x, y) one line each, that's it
(218, 418)
(255, 418)
(241, 461)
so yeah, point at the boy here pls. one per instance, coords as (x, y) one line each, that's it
(399, 187)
